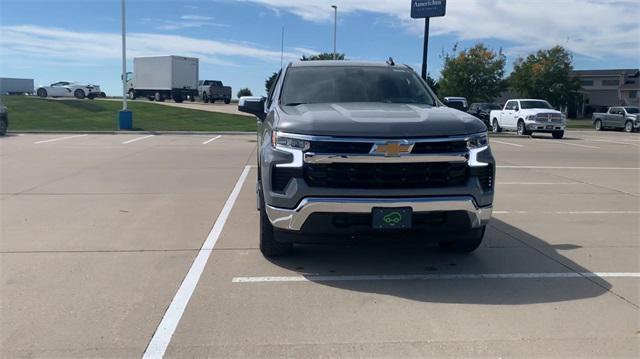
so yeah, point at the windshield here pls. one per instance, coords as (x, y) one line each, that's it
(631, 109)
(305, 85)
(535, 104)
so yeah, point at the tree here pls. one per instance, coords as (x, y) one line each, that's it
(475, 73)
(270, 81)
(546, 75)
(244, 92)
(322, 56)
(433, 84)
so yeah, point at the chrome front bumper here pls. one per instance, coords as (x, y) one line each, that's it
(294, 219)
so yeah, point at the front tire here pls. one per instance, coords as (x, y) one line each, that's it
(79, 94)
(496, 127)
(226, 102)
(522, 129)
(42, 93)
(628, 127)
(558, 135)
(269, 246)
(466, 242)
(205, 97)
(597, 125)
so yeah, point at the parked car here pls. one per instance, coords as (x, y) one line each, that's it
(527, 116)
(619, 117)
(4, 119)
(346, 148)
(482, 110)
(459, 103)
(70, 89)
(212, 91)
(159, 78)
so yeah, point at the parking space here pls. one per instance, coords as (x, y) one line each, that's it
(112, 242)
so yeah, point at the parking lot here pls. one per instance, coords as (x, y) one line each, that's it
(131, 244)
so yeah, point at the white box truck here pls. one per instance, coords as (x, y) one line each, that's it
(164, 77)
(13, 86)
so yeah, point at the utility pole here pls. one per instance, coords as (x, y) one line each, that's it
(124, 55)
(335, 30)
(425, 49)
(125, 117)
(282, 49)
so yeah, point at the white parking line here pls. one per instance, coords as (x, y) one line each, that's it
(569, 168)
(615, 142)
(162, 336)
(211, 140)
(560, 142)
(349, 278)
(506, 143)
(538, 183)
(59, 139)
(567, 212)
(625, 139)
(137, 139)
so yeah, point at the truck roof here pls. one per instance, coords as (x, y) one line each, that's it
(340, 63)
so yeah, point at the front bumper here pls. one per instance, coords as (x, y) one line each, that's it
(545, 127)
(294, 219)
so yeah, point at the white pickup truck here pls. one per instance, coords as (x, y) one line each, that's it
(527, 116)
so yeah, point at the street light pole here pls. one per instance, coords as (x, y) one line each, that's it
(335, 30)
(125, 117)
(124, 55)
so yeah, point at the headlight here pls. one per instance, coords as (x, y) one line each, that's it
(564, 117)
(531, 117)
(478, 140)
(290, 142)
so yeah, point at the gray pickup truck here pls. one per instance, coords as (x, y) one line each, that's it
(213, 90)
(351, 149)
(619, 117)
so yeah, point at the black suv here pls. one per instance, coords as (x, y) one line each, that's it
(355, 148)
(482, 110)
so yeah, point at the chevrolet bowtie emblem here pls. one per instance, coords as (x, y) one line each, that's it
(392, 149)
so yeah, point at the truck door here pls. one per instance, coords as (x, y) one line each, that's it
(507, 115)
(616, 117)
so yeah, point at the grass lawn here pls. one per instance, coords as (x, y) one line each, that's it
(32, 113)
(577, 124)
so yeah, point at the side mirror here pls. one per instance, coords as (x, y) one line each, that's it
(253, 105)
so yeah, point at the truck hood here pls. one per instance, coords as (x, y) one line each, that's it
(376, 120)
(535, 111)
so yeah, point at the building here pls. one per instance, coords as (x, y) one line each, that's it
(604, 88)
(600, 89)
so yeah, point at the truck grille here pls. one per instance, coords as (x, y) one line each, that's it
(544, 117)
(439, 147)
(341, 147)
(387, 175)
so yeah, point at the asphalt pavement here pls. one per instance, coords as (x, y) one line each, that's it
(129, 245)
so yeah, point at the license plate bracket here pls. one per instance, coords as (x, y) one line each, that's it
(392, 218)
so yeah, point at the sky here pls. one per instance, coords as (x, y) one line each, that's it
(239, 41)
